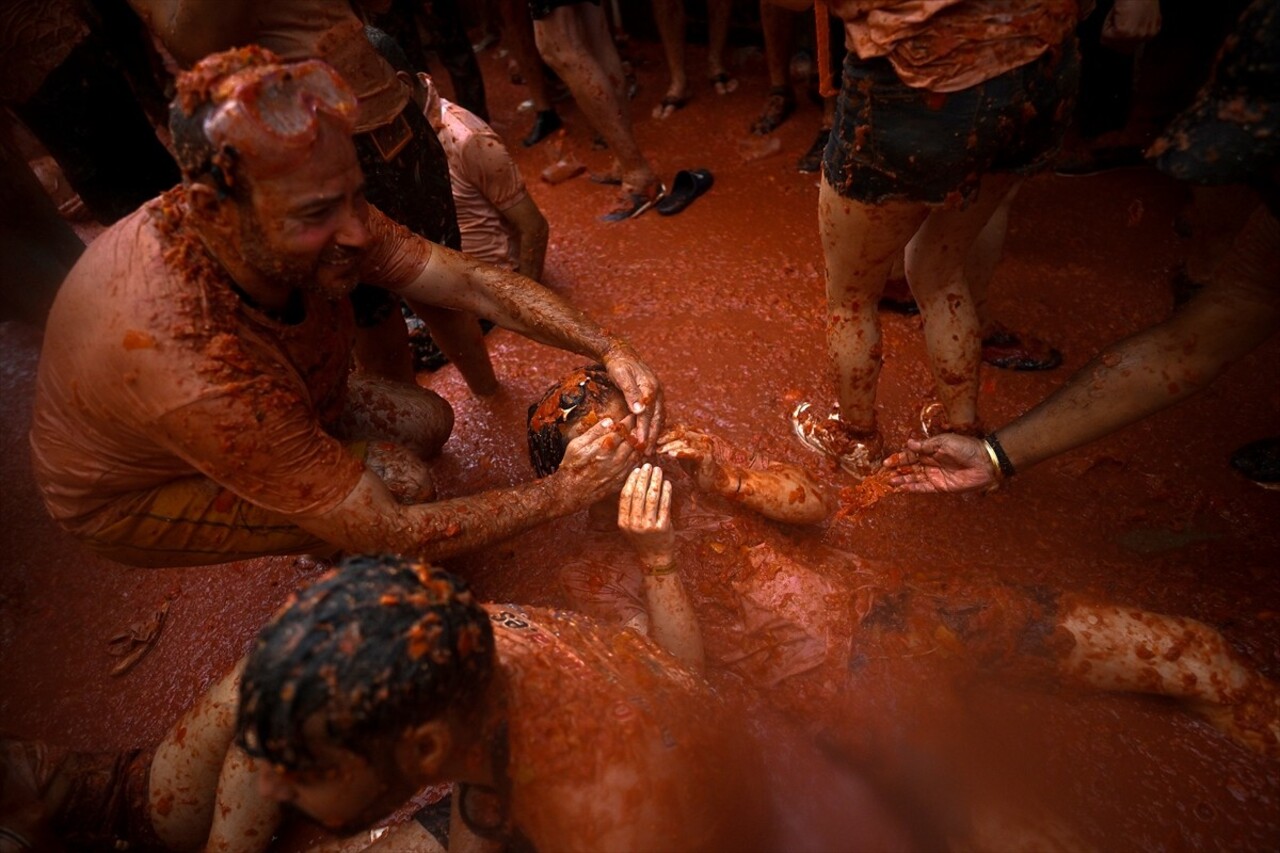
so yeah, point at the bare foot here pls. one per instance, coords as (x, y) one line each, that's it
(722, 82)
(671, 103)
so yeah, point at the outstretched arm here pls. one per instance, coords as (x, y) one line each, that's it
(779, 491)
(644, 517)
(1150, 371)
(370, 520)
(452, 280)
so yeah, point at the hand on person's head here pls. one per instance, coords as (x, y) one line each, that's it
(597, 461)
(642, 391)
(944, 463)
(644, 516)
(702, 456)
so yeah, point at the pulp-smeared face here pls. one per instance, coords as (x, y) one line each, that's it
(578, 403)
(343, 791)
(305, 224)
(612, 405)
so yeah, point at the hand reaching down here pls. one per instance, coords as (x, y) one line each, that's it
(641, 389)
(944, 463)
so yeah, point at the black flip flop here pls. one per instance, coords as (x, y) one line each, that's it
(688, 185)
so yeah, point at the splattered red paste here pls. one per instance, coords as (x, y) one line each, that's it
(726, 302)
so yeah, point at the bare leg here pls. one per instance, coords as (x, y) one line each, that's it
(717, 37)
(935, 266)
(517, 29)
(571, 39)
(595, 28)
(379, 410)
(860, 243)
(669, 15)
(460, 338)
(1132, 650)
(185, 779)
(984, 256)
(777, 26)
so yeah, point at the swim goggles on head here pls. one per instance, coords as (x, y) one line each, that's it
(259, 110)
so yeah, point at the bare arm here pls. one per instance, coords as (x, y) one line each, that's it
(487, 164)
(532, 231)
(781, 492)
(452, 280)
(370, 520)
(1139, 376)
(644, 517)
(193, 29)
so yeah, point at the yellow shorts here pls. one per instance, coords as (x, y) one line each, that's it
(196, 522)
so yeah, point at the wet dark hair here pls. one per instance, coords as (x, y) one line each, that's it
(579, 394)
(376, 646)
(198, 158)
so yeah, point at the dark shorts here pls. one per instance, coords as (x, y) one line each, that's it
(373, 305)
(1231, 134)
(539, 9)
(892, 142)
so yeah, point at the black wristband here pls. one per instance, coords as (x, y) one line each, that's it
(1006, 467)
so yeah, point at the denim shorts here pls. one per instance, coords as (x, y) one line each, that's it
(893, 142)
(1231, 134)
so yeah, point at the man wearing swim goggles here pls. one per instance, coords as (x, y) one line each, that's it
(195, 403)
